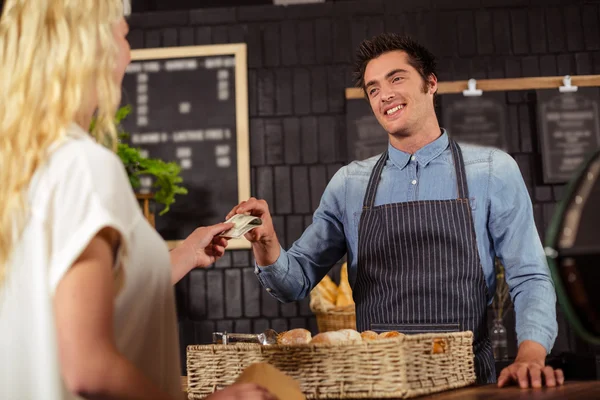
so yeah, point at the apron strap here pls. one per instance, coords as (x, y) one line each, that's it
(369, 200)
(459, 167)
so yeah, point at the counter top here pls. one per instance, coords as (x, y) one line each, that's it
(570, 390)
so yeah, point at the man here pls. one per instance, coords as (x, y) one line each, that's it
(421, 225)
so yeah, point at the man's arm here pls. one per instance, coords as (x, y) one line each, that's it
(517, 244)
(291, 275)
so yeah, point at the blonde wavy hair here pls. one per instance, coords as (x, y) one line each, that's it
(53, 55)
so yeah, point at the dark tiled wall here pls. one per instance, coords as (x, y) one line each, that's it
(299, 61)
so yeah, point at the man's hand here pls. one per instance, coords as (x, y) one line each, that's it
(263, 238)
(529, 369)
(242, 391)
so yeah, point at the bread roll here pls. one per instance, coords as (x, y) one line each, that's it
(369, 335)
(351, 335)
(390, 334)
(439, 346)
(294, 336)
(333, 337)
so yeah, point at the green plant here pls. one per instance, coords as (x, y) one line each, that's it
(166, 174)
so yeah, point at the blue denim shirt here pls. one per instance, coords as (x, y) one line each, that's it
(502, 215)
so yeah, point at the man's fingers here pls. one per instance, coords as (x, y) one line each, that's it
(504, 377)
(535, 373)
(523, 377)
(549, 376)
(218, 228)
(559, 376)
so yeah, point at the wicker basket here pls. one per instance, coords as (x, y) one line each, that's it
(389, 368)
(335, 320)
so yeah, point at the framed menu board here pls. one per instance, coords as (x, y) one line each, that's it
(569, 128)
(190, 106)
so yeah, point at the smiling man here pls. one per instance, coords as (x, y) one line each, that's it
(422, 224)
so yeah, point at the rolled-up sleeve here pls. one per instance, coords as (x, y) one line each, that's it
(518, 245)
(298, 270)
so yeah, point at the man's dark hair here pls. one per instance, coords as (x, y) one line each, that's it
(418, 56)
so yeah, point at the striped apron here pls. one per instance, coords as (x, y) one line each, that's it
(419, 268)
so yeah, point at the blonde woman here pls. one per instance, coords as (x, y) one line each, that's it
(86, 296)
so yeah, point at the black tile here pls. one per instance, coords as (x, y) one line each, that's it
(559, 192)
(254, 42)
(233, 293)
(358, 7)
(358, 32)
(261, 13)
(467, 45)
(591, 32)
(186, 36)
(266, 92)
(584, 63)
(537, 30)
(309, 11)
(224, 326)
(328, 142)
(307, 220)
(462, 69)
(257, 142)
(324, 40)
(310, 140)
(520, 31)
(279, 225)
(543, 193)
(538, 215)
(294, 228)
(288, 310)
(479, 68)
(296, 323)
(525, 129)
(264, 184)
(274, 142)
(163, 19)
(239, 258)
(342, 149)
(301, 197)
(318, 183)
(237, 33)
(496, 68)
(272, 44)
(513, 142)
(135, 37)
(574, 28)
(548, 211)
(252, 290)
(483, 29)
(566, 64)
(220, 34)
(305, 40)
(548, 65)
(524, 162)
(152, 39)
(400, 7)
(289, 50)
(375, 26)
(203, 35)
(302, 98)
(596, 62)
(253, 92)
(530, 66)
(291, 140)
(319, 89)
(304, 307)
(332, 169)
(269, 306)
(442, 36)
(212, 16)
(215, 302)
(197, 295)
(336, 88)
(555, 28)
(283, 195)
(283, 92)
(343, 52)
(452, 5)
(223, 262)
(242, 326)
(502, 31)
(203, 331)
(260, 325)
(513, 67)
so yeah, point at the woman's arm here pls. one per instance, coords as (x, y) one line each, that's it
(91, 365)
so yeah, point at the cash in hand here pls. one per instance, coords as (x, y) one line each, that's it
(242, 225)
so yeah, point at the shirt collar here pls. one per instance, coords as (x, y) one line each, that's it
(423, 156)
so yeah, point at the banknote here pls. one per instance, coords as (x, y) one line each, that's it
(242, 225)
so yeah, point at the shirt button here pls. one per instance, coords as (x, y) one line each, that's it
(269, 290)
(412, 158)
(414, 182)
(256, 270)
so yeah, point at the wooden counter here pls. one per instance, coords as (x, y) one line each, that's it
(570, 390)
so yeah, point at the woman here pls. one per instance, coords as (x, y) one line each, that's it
(86, 301)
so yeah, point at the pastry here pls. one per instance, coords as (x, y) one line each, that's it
(294, 336)
(390, 334)
(369, 335)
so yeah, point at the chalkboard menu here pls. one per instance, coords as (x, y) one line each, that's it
(190, 105)
(569, 131)
(477, 120)
(365, 137)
